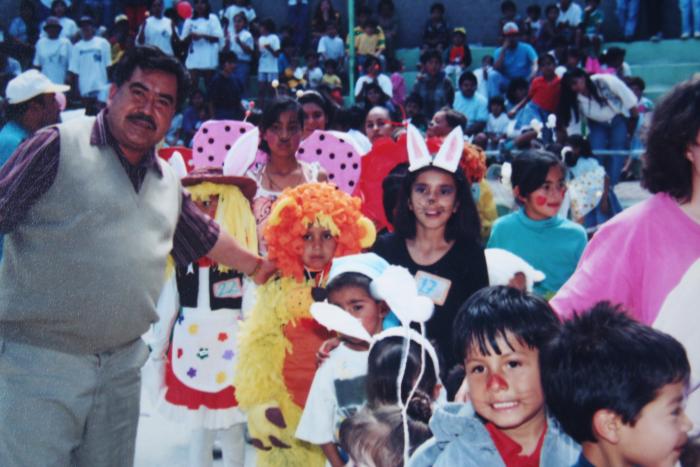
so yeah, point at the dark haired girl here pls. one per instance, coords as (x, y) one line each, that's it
(281, 129)
(610, 108)
(437, 239)
(536, 232)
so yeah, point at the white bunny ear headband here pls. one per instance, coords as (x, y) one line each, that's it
(397, 287)
(447, 157)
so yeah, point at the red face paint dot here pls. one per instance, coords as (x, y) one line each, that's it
(179, 353)
(222, 336)
(540, 200)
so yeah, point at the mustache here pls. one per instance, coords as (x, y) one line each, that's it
(144, 118)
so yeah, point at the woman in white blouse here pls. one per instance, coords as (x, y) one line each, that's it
(610, 110)
(205, 36)
(158, 30)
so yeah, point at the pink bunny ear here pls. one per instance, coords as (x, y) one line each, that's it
(177, 162)
(242, 153)
(418, 153)
(450, 152)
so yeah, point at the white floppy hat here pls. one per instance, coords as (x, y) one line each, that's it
(30, 84)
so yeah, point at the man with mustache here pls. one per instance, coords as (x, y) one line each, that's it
(90, 215)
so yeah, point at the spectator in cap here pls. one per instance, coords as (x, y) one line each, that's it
(514, 59)
(88, 65)
(69, 28)
(53, 52)
(31, 105)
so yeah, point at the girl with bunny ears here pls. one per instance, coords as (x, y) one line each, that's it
(191, 365)
(437, 236)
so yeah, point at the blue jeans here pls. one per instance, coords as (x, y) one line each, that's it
(627, 11)
(609, 136)
(242, 71)
(688, 8)
(530, 112)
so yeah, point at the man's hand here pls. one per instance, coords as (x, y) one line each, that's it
(264, 272)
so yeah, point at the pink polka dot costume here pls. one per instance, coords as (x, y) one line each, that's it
(337, 154)
(214, 139)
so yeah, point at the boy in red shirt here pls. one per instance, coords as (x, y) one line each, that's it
(542, 98)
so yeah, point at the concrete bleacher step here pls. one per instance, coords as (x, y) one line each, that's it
(665, 51)
(666, 73)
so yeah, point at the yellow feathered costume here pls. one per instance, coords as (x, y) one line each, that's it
(278, 342)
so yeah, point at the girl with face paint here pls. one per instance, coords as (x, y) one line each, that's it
(536, 232)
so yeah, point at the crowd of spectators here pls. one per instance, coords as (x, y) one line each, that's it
(550, 78)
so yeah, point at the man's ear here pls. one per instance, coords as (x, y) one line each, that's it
(112, 91)
(606, 425)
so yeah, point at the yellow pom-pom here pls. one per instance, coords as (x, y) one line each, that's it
(370, 232)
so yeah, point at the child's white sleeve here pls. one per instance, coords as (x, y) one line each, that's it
(318, 419)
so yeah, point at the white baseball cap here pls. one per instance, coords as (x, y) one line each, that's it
(30, 84)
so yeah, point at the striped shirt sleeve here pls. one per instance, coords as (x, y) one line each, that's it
(27, 175)
(195, 234)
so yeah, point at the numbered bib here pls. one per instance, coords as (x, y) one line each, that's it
(432, 286)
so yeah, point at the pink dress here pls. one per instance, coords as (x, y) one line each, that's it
(636, 259)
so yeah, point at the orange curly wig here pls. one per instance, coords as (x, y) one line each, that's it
(310, 204)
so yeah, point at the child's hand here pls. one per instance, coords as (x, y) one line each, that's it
(325, 350)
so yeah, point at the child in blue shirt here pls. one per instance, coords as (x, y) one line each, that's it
(498, 333)
(536, 233)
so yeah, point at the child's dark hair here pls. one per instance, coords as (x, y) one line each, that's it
(636, 81)
(497, 100)
(349, 279)
(467, 76)
(508, 5)
(437, 6)
(550, 7)
(464, 224)
(330, 63)
(227, 56)
(535, 9)
(580, 142)
(545, 57)
(603, 359)
(492, 312)
(530, 170)
(383, 366)
(268, 24)
(391, 190)
(515, 85)
(375, 436)
(454, 119)
(429, 55)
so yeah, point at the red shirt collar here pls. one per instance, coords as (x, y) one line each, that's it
(510, 450)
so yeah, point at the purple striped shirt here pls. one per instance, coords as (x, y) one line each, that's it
(31, 170)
